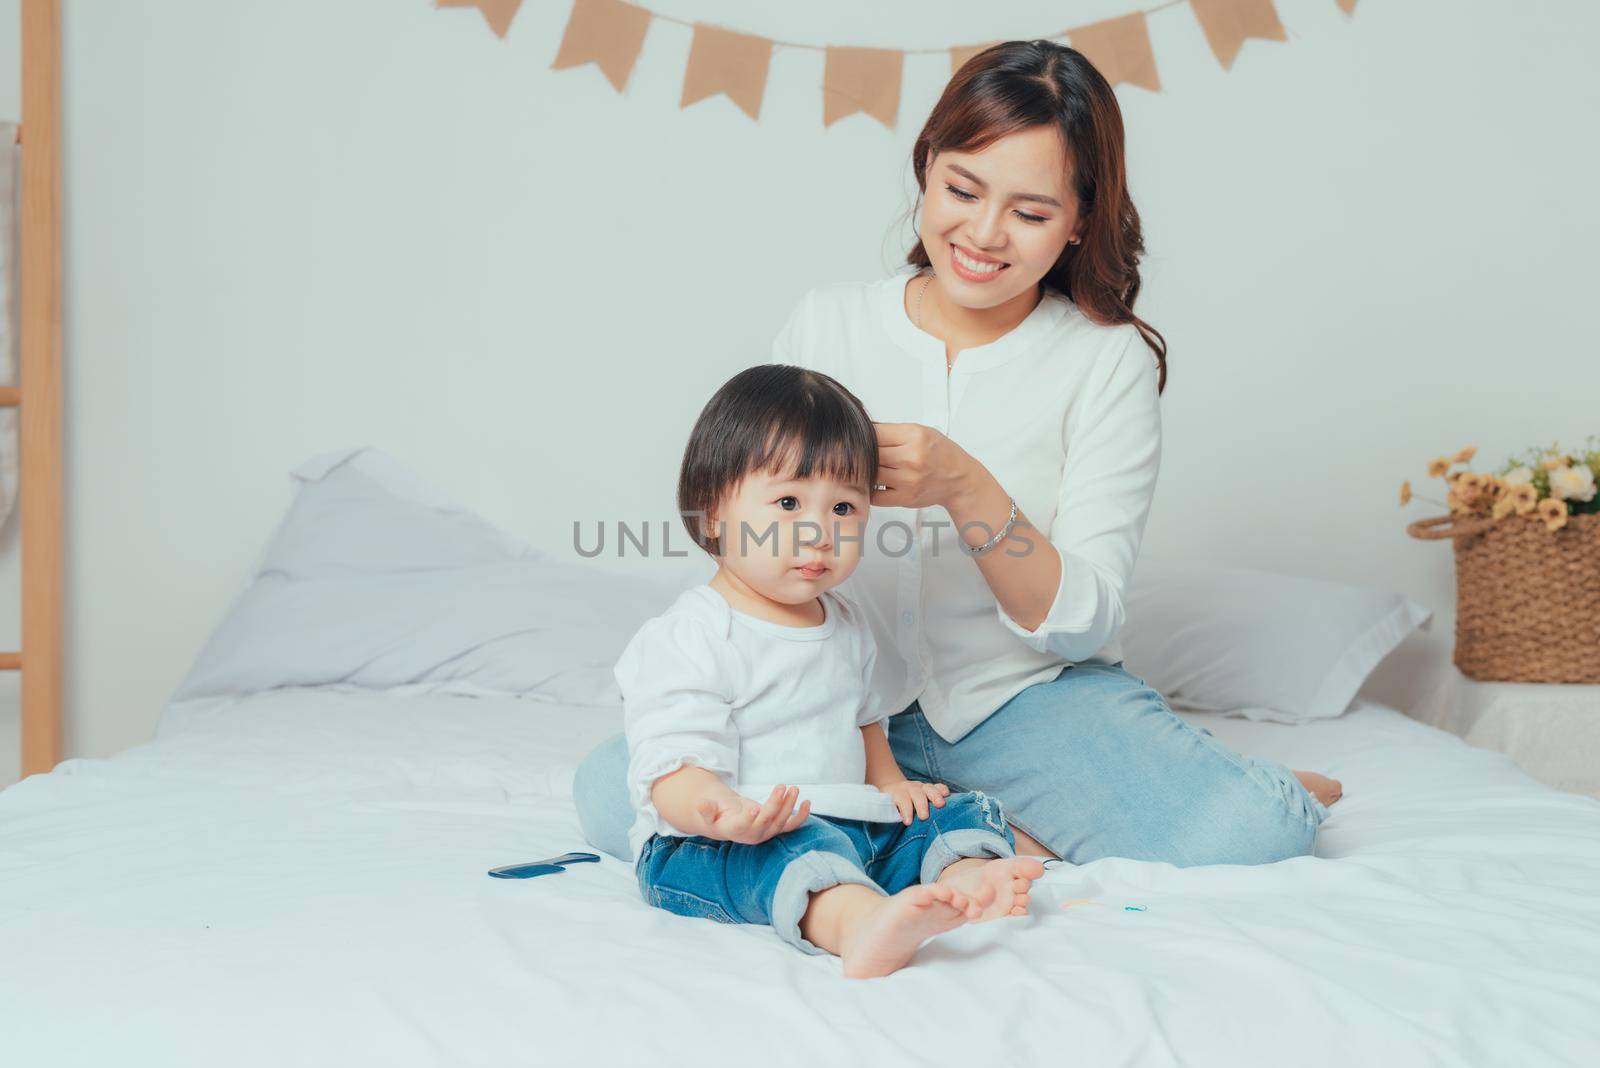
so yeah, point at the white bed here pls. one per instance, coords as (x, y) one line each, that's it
(294, 871)
(298, 877)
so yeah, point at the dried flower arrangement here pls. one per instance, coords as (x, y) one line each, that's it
(1542, 484)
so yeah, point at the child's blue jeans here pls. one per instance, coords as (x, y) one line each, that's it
(772, 882)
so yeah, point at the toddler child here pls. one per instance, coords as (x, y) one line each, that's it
(756, 686)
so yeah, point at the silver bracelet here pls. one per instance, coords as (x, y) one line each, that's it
(1005, 531)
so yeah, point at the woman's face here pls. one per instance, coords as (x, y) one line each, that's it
(1011, 204)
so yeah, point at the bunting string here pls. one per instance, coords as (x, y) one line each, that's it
(610, 34)
(974, 49)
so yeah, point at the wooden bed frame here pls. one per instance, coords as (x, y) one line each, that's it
(39, 393)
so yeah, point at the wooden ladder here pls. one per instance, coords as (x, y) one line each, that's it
(39, 395)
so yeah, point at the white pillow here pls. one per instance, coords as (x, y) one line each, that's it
(1259, 644)
(534, 627)
(362, 512)
(374, 579)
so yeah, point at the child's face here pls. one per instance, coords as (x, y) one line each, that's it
(791, 538)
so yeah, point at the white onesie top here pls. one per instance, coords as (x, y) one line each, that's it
(755, 702)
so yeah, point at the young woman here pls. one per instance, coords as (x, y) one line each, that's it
(1019, 430)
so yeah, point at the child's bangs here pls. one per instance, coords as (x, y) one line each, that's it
(809, 448)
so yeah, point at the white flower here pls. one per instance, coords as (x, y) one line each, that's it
(1517, 476)
(1574, 483)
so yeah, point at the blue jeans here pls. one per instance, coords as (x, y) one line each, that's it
(772, 882)
(1090, 764)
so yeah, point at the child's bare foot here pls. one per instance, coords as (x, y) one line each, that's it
(887, 937)
(1321, 787)
(1009, 876)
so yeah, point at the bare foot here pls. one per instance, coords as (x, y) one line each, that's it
(885, 939)
(1009, 876)
(1321, 787)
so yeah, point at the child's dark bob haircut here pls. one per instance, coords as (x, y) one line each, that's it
(776, 418)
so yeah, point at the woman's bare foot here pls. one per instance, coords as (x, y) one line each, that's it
(1321, 787)
(1009, 876)
(885, 939)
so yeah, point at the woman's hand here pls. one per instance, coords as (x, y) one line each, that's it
(915, 797)
(920, 466)
(739, 819)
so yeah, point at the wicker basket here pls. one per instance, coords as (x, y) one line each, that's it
(1527, 598)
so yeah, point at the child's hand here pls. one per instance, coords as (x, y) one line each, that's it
(914, 797)
(739, 819)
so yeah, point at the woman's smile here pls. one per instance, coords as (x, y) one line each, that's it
(973, 266)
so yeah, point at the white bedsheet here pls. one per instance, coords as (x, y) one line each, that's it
(297, 877)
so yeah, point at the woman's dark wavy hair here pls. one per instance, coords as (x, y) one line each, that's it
(773, 417)
(1018, 85)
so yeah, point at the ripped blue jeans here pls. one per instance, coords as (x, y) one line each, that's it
(772, 883)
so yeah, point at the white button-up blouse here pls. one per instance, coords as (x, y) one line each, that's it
(1064, 413)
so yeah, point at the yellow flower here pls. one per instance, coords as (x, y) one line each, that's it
(1458, 503)
(1504, 506)
(1553, 512)
(1524, 497)
(1468, 486)
(1550, 463)
(1466, 454)
(1405, 493)
(1438, 467)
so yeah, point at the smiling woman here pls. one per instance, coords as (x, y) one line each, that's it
(1022, 165)
(1019, 440)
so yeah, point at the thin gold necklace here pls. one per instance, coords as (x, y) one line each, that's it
(920, 294)
(948, 362)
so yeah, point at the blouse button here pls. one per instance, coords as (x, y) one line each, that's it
(906, 618)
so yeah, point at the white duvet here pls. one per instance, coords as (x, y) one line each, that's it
(298, 878)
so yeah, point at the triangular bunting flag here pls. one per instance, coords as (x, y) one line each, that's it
(861, 79)
(1120, 50)
(1228, 22)
(961, 53)
(721, 61)
(606, 32)
(498, 13)
(611, 33)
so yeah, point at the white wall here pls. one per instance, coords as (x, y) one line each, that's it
(300, 225)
